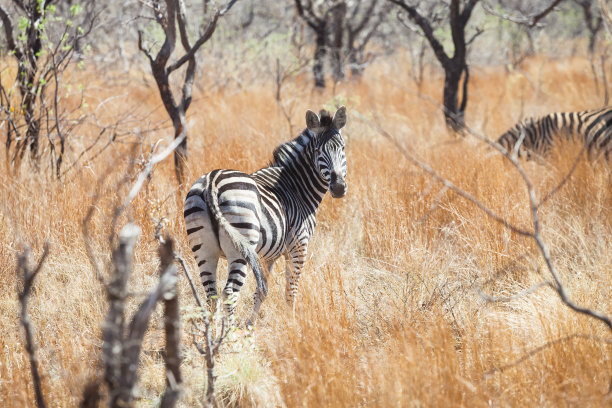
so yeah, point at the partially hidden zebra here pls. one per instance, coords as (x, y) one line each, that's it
(537, 135)
(248, 218)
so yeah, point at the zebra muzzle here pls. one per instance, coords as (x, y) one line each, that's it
(337, 187)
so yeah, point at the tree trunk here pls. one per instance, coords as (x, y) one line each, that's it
(356, 67)
(339, 17)
(180, 153)
(318, 69)
(26, 75)
(453, 112)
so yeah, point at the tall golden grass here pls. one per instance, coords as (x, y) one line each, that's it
(389, 311)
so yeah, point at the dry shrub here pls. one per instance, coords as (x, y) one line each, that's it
(388, 312)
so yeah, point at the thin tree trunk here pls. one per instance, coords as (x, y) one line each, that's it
(339, 17)
(318, 69)
(180, 153)
(356, 68)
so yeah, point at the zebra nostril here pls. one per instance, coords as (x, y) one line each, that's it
(333, 177)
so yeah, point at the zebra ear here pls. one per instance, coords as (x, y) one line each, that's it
(313, 123)
(339, 119)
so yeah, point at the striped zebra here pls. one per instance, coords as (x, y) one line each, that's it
(593, 127)
(271, 212)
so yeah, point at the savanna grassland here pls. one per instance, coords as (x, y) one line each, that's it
(390, 311)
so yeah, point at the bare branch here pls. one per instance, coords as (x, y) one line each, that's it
(190, 54)
(533, 205)
(114, 326)
(521, 294)
(565, 179)
(28, 275)
(142, 48)
(545, 346)
(172, 322)
(308, 15)
(149, 168)
(474, 36)
(529, 21)
(425, 25)
(544, 13)
(452, 186)
(227, 8)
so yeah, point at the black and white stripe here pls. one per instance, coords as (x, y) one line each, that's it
(261, 216)
(593, 127)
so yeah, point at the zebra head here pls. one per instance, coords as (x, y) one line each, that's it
(329, 156)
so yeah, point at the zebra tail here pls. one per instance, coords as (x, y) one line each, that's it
(211, 197)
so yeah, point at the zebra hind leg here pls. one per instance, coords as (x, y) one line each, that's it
(235, 280)
(207, 265)
(259, 297)
(204, 244)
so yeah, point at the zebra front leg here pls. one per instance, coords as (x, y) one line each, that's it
(259, 297)
(293, 272)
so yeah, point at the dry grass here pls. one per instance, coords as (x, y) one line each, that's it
(388, 312)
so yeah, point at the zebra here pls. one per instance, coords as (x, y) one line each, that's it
(271, 212)
(536, 135)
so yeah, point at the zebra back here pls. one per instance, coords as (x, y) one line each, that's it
(537, 135)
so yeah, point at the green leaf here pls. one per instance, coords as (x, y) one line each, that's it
(23, 24)
(76, 9)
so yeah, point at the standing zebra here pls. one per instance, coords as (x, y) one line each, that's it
(266, 214)
(593, 127)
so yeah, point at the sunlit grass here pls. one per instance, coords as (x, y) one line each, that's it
(388, 312)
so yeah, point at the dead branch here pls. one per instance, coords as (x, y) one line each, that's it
(529, 21)
(28, 275)
(122, 345)
(211, 346)
(521, 294)
(114, 325)
(535, 234)
(565, 179)
(448, 184)
(172, 330)
(545, 346)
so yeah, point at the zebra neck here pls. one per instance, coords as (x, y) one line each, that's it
(303, 182)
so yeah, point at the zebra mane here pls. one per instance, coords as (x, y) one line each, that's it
(326, 119)
(289, 151)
